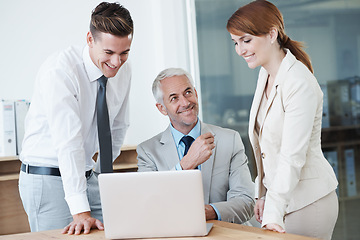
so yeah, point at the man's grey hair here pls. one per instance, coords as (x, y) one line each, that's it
(169, 72)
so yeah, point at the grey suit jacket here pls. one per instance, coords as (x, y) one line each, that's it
(226, 177)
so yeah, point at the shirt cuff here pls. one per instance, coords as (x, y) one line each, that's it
(256, 187)
(217, 211)
(178, 167)
(78, 204)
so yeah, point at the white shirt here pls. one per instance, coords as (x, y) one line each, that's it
(61, 126)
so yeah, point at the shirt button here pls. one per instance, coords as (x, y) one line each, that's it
(263, 155)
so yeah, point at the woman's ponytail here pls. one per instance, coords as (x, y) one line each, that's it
(296, 48)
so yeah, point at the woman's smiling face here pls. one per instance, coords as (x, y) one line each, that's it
(254, 49)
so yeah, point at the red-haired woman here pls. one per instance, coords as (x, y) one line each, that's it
(295, 185)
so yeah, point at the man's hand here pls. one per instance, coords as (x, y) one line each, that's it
(259, 209)
(210, 213)
(82, 221)
(199, 151)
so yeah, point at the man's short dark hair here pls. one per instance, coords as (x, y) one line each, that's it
(111, 18)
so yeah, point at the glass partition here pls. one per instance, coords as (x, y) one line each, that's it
(331, 32)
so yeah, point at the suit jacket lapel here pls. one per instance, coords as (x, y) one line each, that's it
(169, 149)
(207, 167)
(256, 102)
(269, 102)
(285, 65)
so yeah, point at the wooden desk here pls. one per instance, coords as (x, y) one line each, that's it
(220, 231)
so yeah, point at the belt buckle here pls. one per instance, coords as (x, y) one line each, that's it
(27, 168)
(88, 173)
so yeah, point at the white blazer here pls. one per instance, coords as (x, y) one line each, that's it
(292, 171)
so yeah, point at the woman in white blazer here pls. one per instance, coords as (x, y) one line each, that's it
(295, 184)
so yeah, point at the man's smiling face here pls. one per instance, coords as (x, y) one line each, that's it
(109, 52)
(180, 102)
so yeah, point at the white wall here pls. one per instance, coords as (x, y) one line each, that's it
(31, 30)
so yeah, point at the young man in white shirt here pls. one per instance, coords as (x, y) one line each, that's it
(57, 184)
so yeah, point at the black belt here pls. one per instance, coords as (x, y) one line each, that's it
(45, 170)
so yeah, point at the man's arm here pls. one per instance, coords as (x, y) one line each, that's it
(239, 206)
(61, 105)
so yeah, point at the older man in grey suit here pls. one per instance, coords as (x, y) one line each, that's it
(218, 152)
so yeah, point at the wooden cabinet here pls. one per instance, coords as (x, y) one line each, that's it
(12, 215)
(13, 218)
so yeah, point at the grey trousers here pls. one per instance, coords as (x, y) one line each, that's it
(44, 202)
(315, 220)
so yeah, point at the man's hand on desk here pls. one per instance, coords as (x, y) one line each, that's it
(210, 213)
(82, 221)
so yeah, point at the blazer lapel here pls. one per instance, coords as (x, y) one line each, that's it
(169, 149)
(288, 61)
(269, 102)
(256, 102)
(207, 167)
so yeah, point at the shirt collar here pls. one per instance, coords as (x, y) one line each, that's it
(195, 133)
(92, 70)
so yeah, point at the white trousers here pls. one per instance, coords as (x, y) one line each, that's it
(44, 202)
(315, 220)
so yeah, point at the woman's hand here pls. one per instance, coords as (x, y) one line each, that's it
(274, 227)
(259, 209)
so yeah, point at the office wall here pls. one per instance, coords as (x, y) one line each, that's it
(31, 30)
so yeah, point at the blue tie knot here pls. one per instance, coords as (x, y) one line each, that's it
(187, 140)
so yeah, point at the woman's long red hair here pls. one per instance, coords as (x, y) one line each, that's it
(257, 18)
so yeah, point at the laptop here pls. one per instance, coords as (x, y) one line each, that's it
(153, 204)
